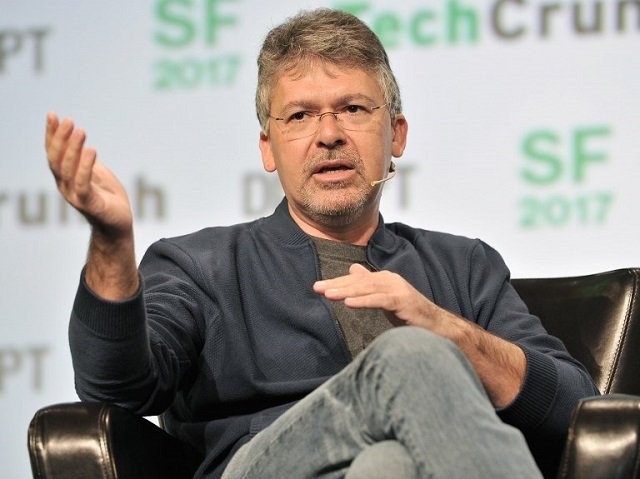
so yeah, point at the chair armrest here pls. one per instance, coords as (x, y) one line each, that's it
(102, 441)
(603, 439)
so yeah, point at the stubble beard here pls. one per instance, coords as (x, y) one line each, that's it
(337, 203)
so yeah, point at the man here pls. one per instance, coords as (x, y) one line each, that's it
(274, 346)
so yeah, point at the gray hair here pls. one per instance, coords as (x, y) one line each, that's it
(324, 35)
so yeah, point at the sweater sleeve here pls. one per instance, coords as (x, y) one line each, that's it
(138, 353)
(554, 381)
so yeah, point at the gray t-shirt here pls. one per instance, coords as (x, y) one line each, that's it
(359, 326)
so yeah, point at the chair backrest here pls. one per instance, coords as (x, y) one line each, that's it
(598, 318)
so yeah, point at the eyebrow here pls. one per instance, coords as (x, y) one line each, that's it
(340, 101)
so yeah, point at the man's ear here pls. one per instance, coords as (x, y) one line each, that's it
(399, 140)
(268, 161)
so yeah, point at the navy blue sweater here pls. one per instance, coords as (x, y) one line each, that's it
(226, 331)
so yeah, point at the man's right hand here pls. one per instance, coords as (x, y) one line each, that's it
(84, 181)
(96, 193)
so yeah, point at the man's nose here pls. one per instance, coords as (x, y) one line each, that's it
(330, 132)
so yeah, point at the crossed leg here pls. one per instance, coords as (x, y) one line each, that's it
(409, 386)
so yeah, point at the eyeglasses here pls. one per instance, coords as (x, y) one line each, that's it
(303, 123)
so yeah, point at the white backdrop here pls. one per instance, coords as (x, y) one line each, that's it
(524, 123)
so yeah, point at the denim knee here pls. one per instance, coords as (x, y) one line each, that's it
(383, 460)
(412, 343)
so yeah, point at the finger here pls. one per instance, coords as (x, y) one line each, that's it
(333, 284)
(52, 126)
(84, 172)
(338, 294)
(360, 281)
(357, 268)
(356, 274)
(58, 145)
(71, 156)
(355, 287)
(369, 301)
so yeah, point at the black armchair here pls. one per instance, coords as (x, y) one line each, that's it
(597, 316)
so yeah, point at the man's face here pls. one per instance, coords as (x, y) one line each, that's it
(327, 175)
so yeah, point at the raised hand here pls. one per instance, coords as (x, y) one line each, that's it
(84, 181)
(95, 192)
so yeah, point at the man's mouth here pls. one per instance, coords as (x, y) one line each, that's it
(329, 167)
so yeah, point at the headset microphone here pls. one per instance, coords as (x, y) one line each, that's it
(392, 173)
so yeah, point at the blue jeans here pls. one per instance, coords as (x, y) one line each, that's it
(408, 406)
